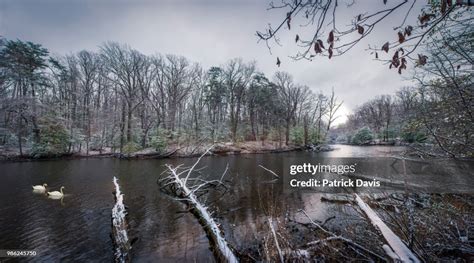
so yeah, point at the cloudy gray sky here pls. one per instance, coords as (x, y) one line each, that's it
(207, 31)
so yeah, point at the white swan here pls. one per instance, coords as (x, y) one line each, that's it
(40, 188)
(56, 193)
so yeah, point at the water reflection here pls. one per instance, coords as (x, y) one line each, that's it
(80, 228)
(39, 192)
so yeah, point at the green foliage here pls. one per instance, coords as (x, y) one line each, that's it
(23, 60)
(77, 136)
(297, 135)
(54, 140)
(159, 141)
(363, 136)
(130, 147)
(215, 91)
(96, 142)
(411, 137)
(9, 139)
(348, 139)
(389, 133)
(315, 137)
(413, 132)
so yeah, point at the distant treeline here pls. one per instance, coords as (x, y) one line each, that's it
(439, 113)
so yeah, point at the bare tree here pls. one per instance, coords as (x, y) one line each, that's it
(291, 96)
(332, 36)
(88, 67)
(237, 76)
(123, 63)
(333, 106)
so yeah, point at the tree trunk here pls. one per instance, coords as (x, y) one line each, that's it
(279, 136)
(252, 125)
(122, 128)
(19, 141)
(36, 130)
(233, 128)
(287, 132)
(305, 130)
(129, 122)
(143, 141)
(171, 117)
(88, 129)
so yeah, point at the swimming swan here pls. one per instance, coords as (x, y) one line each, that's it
(56, 193)
(41, 188)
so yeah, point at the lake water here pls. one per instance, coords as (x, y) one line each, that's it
(77, 228)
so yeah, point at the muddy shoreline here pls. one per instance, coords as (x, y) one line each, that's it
(189, 151)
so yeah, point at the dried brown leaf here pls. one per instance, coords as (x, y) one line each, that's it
(425, 18)
(443, 6)
(331, 37)
(317, 48)
(422, 59)
(385, 47)
(401, 37)
(320, 42)
(288, 20)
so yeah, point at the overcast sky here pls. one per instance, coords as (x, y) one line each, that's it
(210, 32)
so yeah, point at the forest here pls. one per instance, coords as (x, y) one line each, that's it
(119, 100)
(408, 147)
(437, 109)
(434, 52)
(123, 100)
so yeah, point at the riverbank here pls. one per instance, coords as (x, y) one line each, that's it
(175, 151)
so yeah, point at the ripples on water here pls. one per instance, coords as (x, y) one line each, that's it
(78, 229)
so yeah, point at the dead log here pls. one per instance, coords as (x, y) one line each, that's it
(152, 155)
(337, 198)
(396, 249)
(120, 238)
(185, 189)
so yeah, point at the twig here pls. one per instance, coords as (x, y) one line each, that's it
(339, 237)
(270, 223)
(270, 171)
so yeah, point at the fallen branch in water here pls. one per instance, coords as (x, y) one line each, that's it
(280, 254)
(187, 190)
(270, 171)
(395, 247)
(337, 198)
(424, 152)
(119, 227)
